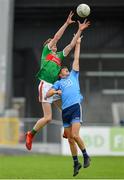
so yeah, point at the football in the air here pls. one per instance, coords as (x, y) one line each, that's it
(83, 10)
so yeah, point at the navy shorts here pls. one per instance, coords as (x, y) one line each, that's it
(71, 115)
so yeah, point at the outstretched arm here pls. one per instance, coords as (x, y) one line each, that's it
(52, 91)
(75, 65)
(60, 32)
(81, 28)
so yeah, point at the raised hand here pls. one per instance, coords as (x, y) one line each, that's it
(69, 19)
(84, 25)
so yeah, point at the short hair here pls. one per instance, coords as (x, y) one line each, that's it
(47, 41)
(63, 67)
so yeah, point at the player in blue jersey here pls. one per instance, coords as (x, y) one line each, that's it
(69, 89)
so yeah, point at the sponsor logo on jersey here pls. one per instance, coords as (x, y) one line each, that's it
(67, 83)
(54, 58)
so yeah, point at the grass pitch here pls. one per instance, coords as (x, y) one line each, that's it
(59, 167)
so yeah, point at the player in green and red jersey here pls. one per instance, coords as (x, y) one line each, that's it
(51, 61)
(50, 64)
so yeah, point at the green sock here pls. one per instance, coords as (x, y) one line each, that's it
(33, 132)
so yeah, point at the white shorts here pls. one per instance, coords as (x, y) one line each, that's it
(43, 89)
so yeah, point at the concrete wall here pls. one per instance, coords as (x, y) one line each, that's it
(6, 26)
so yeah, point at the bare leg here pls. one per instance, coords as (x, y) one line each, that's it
(47, 116)
(71, 141)
(39, 124)
(75, 135)
(58, 104)
(80, 143)
(73, 149)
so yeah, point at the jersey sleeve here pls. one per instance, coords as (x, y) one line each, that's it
(74, 73)
(45, 52)
(56, 85)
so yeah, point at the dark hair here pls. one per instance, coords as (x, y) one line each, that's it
(63, 67)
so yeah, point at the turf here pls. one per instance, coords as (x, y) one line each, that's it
(58, 167)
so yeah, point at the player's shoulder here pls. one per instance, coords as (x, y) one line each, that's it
(45, 51)
(46, 48)
(61, 54)
(57, 82)
(73, 72)
(56, 85)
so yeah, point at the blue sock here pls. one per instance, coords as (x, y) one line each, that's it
(75, 159)
(85, 155)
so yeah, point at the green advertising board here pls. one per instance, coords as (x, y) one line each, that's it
(117, 139)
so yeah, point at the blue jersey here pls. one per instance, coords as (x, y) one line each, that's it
(70, 89)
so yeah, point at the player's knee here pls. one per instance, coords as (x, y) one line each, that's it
(71, 140)
(48, 118)
(75, 136)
